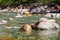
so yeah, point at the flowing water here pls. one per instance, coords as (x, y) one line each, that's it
(34, 35)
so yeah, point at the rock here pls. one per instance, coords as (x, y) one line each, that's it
(52, 20)
(24, 16)
(18, 16)
(43, 19)
(52, 15)
(48, 15)
(28, 14)
(56, 25)
(44, 25)
(26, 27)
(3, 22)
(58, 16)
(48, 24)
(11, 19)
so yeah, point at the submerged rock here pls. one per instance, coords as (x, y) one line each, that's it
(11, 19)
(18, 15)
(26, 28)
(3, 22)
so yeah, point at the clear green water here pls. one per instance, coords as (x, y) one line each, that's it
(34, 35)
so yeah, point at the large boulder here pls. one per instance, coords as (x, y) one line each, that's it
(47, 24)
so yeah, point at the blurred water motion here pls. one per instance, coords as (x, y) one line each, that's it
(49, 32)
(34, 35)
(2, 31)
(40, 34)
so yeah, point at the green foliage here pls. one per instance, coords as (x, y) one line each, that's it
(57, 1)
(46, 1)
(17, 2)
(24, 0)
(6, 2)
